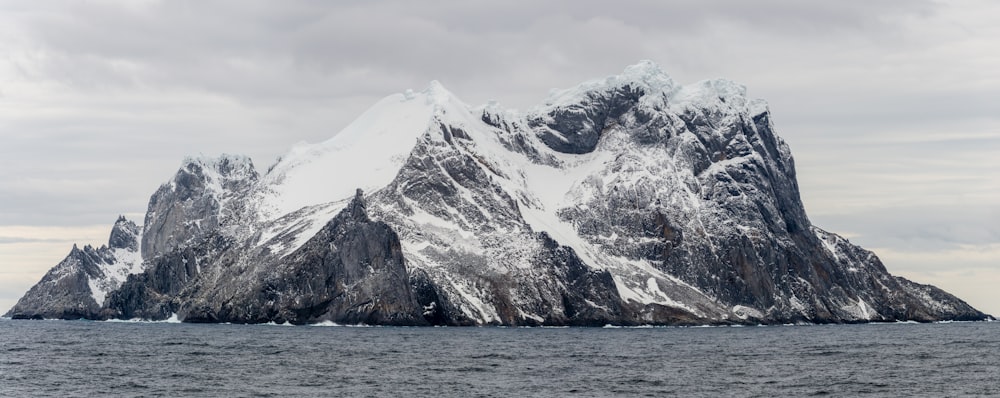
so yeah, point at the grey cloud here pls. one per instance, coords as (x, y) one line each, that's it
(311, 50)
(14, 240)
(916, 228)
(681, 16)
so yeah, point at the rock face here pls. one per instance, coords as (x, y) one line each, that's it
(196, 202)
(629, 200)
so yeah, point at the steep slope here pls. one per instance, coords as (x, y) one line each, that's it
(626, 200)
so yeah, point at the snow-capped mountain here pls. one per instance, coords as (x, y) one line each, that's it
(626, 200)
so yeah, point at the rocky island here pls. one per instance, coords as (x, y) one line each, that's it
(629, 200)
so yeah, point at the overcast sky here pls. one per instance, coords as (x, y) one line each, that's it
(891, 108)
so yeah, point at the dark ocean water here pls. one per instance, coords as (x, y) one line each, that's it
(88, 359)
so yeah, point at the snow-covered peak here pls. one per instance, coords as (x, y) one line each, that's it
(713, 93)
(224, 161)
(645, 75)
(758, 106)
(655, 89)
(437, 94)
(225, 165)
(216, 175)
(366, 154)
(648, 74)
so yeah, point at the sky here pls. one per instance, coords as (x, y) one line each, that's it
(891, 108)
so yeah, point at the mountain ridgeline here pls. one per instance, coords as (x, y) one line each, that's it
(629, 200)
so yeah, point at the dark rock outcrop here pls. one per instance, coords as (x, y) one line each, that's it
(577, 127)
(154, 293)
(124, 235)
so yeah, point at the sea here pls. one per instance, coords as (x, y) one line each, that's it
(143, 359)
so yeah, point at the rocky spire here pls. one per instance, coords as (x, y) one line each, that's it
(124, 235)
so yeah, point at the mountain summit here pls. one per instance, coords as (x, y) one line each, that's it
(627, 200)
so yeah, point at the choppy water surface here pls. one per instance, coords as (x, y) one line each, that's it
(59, 358)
